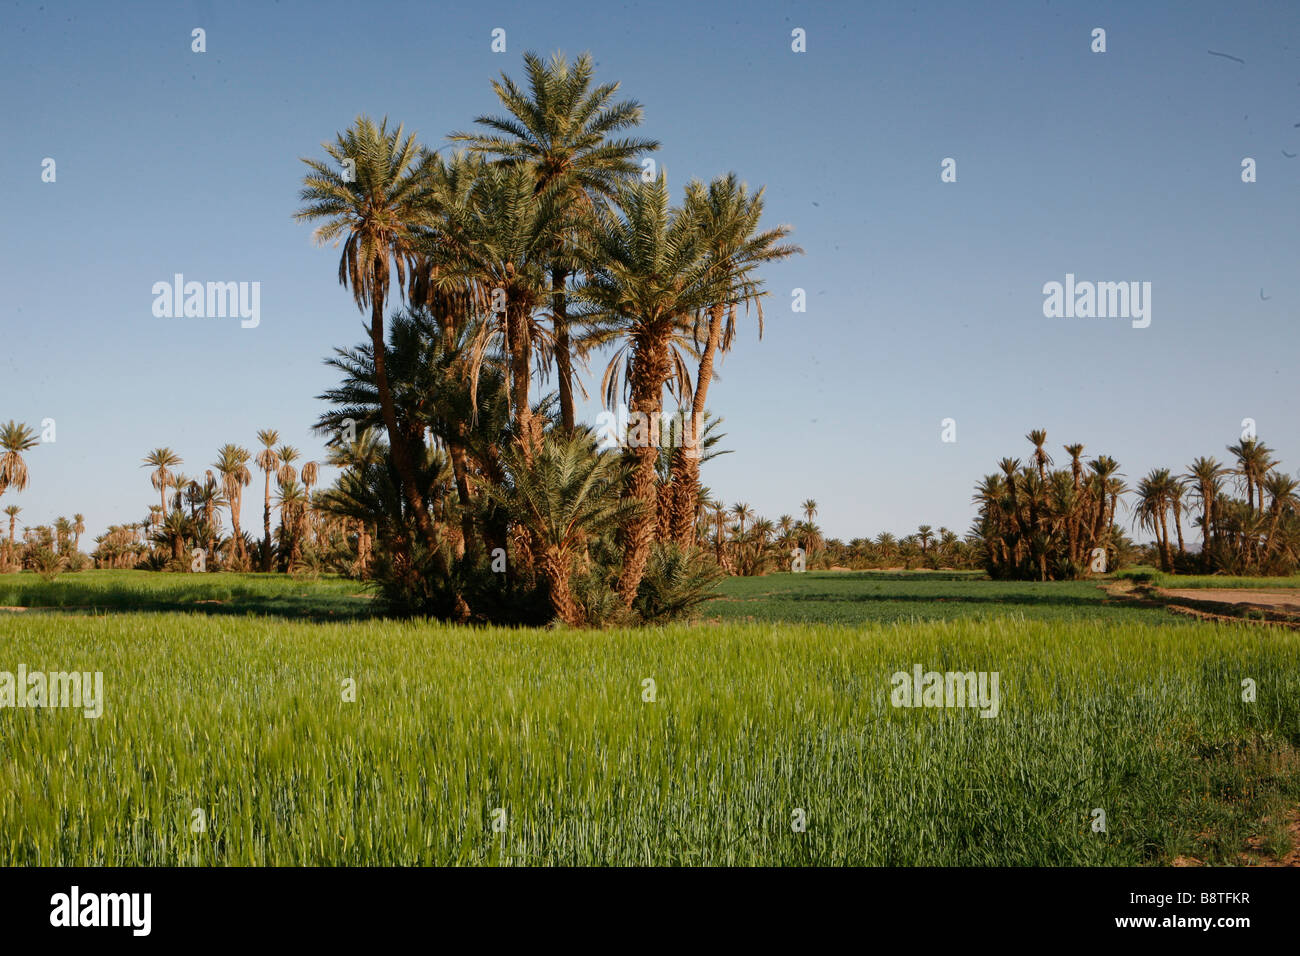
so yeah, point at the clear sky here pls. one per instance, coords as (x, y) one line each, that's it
(924, 298)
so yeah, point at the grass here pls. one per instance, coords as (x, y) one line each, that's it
(779, 703)
(863, 597)
(1160, 579)
(321, 598)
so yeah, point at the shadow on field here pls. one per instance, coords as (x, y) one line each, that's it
(307, 600)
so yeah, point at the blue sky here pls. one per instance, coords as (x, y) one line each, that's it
(924, 298)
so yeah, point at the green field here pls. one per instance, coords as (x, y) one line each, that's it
(236, 709)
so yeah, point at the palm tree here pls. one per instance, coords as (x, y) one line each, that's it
(78, 529)
(1254, 461)
(162, 460)
(728, 218)
(809, 510)
(14, 440)
(560, 132)
(647, 273)
(1282, 491)
(268, 459)
(1152, 512)
(566, 493)
(1206, 475)
(924, 535)
(377, 213)
(232, 466)
(12, 511)
(1040, 457)
(286, 472)
(1076, 466)
(743, 513)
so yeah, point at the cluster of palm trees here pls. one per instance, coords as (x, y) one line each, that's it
(1257, 534)
(1049, 524)
(543, 237)
(1039, 523)
(189, 519)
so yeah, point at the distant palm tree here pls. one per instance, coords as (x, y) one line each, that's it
(78, 529)
(924, 535)
(1040, 457)
(268, 459)
(809, 510)
(232, 465)
(1206, 476)
(12, 511)
(162, 460)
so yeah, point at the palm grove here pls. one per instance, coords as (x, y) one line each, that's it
(540, 239)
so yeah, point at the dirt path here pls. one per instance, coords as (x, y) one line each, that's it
(1281, 599)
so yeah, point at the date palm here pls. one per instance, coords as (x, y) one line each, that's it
(647, 274)
(12, 511)
(564, 494)
(728, 217)
(376, 213)
(1206, 477)
(268, 459)
(559, 130)
(232, 465)
(162, 460)
(78, 529)
(14, 440)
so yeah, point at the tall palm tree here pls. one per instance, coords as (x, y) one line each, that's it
(162, 460)
(12, 511)
(728, 218)
(1283, 498)
(232, 465)
(496, 232)
(268, 459)
(377, 214)
(78, 529)
(1076, 465)
(560, 131)
(1040, 457)
(1254, 461)
(1206, 476)
(647, 275)
(14, 440)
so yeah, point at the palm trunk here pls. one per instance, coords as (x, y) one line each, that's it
(266, 526)
(649, 370)
(563, 353)
(237, 545)
(517, 334)
(555, 570)
(686, 467)
(1178, 525)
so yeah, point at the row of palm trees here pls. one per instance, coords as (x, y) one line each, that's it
(1257, 534)
(542, 238)
(745, 543)
(179, 530)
